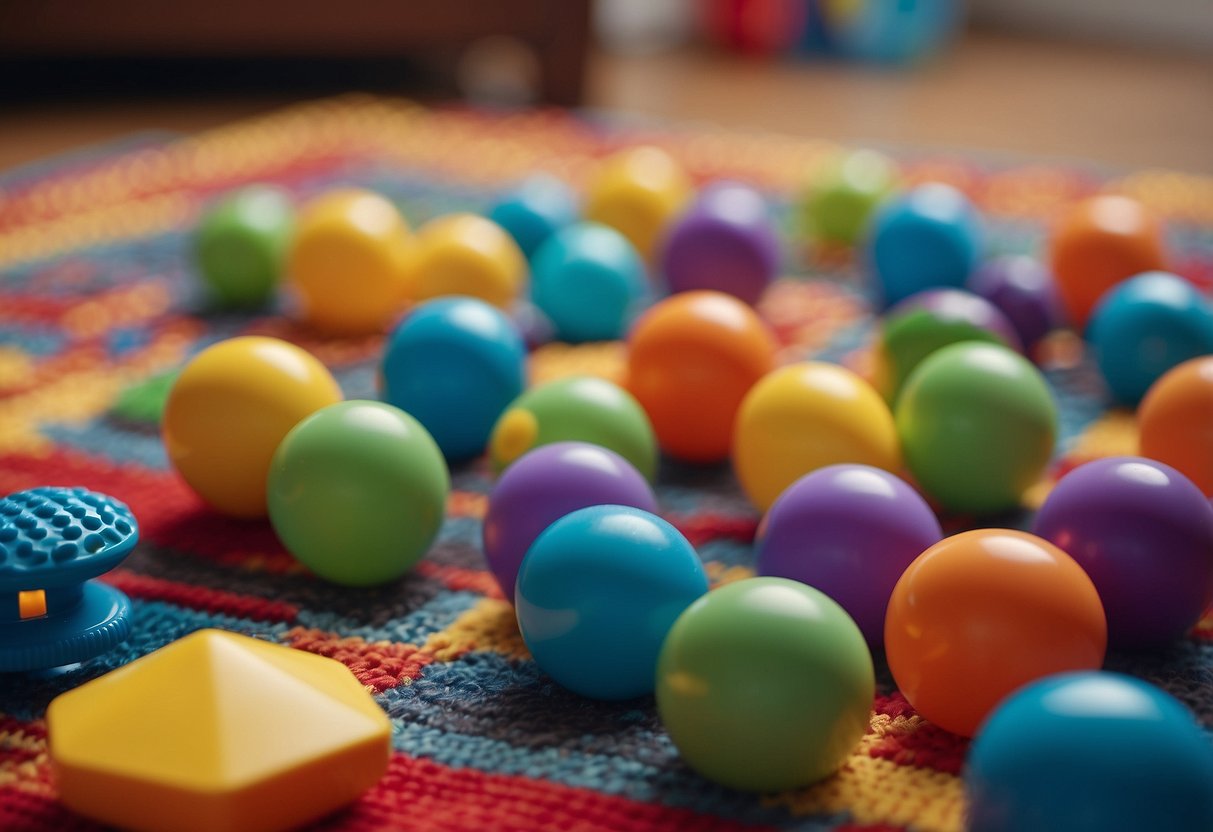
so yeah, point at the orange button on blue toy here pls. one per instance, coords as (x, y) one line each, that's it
(217, 731)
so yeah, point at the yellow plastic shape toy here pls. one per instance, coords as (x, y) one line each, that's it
(465, 254)
(806, 416)
(229, 409)
(348, 264)
(214, 732)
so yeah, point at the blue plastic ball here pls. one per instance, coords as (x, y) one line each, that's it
(884, 32)
(1090, 751)
(1144, 327)
(454, 364)
(536, 209)
(927, 238)
(598, 592)
(589, 280)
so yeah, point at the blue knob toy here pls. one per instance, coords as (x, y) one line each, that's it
(536, 209)
(589, 281)
(1144, 327)
(1090, 751)
(52, 542)
(927, 238)
(454, 364)
(597, 594)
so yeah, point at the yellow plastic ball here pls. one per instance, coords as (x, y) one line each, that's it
(463, 254)
(806, 416)
(229, 409)
(638, 192)
(349, 262)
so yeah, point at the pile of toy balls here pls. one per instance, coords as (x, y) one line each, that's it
(765, 683)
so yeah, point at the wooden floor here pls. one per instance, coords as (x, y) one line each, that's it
(992, 93)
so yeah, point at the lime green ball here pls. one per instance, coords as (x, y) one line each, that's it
(765, 684)
(977, 424)
(241, 244)
(576, 409)
(837, 203)
(357, 492)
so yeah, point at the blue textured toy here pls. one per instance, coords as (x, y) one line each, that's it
(891, 32)
(1144, 327)
(52, 541)
(598, 592)
(589, 280)
(1087, 751)
(536, 209)
(454, 364)
(927, 238)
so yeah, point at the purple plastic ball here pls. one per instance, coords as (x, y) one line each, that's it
(850, 531)
(545, 485)
(1023, 290)
(727, 241)
(1144, 533)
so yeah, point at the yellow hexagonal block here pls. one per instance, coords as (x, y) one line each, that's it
(214, 732)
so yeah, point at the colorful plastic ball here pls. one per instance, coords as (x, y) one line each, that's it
(637, 192)
(1098, 243)
(931, 320)
(454, 364)
(348, 264)
(228, 410)
(982, 613)
(465, 254)
(1022, 289)
(546, 484)
(534, 210)
(1144, 327)
(1144, 533)
(807, 416)
(1175, 421)
(977, 424)
(850, 531)
(357, 492)
(1090, 751)
(765, 684)
(597, 593)
(241, 245)
(576, 409)
(927, 238)
(841, 198)
(726, 241)
(691, 360)
(590, 282)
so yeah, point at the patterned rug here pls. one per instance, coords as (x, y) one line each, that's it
(97, 302)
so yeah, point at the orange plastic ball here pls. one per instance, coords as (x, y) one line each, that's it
(1099, 243)
(980, 614)
(1176, 421)
(348, 263)
(691, 360)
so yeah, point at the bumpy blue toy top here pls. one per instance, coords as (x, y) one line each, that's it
(61, 536)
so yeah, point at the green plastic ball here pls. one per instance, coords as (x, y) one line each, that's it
(576, 409)
(765, 684)
(838, 202)
(357, 492)
(977, 424)
(241, 244)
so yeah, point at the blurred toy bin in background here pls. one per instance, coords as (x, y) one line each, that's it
(891, 32)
